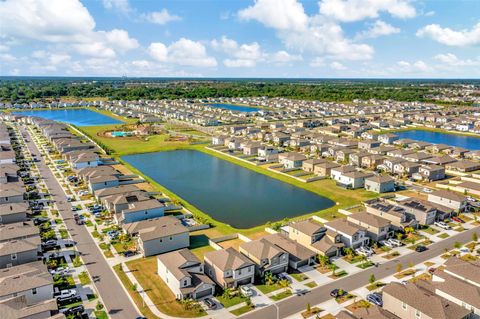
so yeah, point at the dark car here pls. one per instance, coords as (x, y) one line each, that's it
(128, 253)
(336, 293)
(458, 219)
(420, 249)
(282, 276)
(74, 310)
(375, 298)
(210, 303)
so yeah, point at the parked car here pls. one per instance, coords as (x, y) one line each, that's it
(70, 199)
(282, 276)
(375, 298)
(457, 219)
(129, 253)
(67, 293)
(442, 225)
(246, 291)
(387, 243)
(396, 242)
(427, 190)
(420, 248)
(73, 310)
(59, 271)
(336, 293)
(210, 303)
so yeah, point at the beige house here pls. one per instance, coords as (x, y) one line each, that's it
(267, 256)
(159, 235)
(449, 199)
(324, 169)
(409, 301)
(298, 255)
(229, 268)
(184, 274)
(377, 228)
(397, 215)
(310, 164)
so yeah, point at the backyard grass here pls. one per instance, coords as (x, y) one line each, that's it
(145, 271)
(284, 294)
(242, 310)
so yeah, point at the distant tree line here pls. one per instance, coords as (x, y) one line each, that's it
(20, 91)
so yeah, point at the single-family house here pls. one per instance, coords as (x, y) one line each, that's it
(352, 235)
(229, 268)
(380, 184)
(267, 257)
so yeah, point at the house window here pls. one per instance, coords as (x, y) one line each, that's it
(171, 238)
(13, 256)
(404, 306)
(34, 291)
(418, 314)
(161, 240)
(239, 271)
(185, 282)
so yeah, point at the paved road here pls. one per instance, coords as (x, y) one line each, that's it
(321, 294)
(116, 300)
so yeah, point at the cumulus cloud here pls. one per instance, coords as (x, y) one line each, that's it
(450, 59)
(277, 14)
(182, 52)
(48, 21)
(161, 17)
(356, 10)
(451, 37)
(240, 55)
(283, 57)
(315, 34)
(317, 62)
(377, 29)
(120, 5)
(409, 67)
(337, 66)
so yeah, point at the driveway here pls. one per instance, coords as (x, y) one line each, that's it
(321, 294)
(115, 298)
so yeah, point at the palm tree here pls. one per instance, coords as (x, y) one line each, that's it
(323, 260)
(268, 278)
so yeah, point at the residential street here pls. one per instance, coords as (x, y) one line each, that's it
(115, 298)
(321, 294)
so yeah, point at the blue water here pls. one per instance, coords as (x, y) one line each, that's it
(227, 192)
(234, 107)
(79, 117)
(468, 142)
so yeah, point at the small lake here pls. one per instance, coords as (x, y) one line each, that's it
(79, 117)
(227, 192)
(234, 107)
(468, 142)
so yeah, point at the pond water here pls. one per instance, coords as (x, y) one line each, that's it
(234, 107)
(468, 142)
(227, 192)
(79, 117)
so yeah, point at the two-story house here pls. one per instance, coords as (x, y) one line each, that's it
(377, 228)
(268, 257)
(184, 274)
(229, 268)
(352, 235)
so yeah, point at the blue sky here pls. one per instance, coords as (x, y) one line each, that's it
(241, 38)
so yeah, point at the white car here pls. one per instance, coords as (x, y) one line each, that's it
(395, 242)
(60, 271)
(67, 293)
(442, 225)
(246, 291)
(427, 190)
(387, 243)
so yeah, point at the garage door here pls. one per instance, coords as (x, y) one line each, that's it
(204, 293)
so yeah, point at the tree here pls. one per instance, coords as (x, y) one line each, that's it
(399, 267)
(309, 307)
(457, 245)
(284, 283)
(475, 237)
(323, 260)
(410, 265)
(399, 236)
(372, 279)
(268, 278)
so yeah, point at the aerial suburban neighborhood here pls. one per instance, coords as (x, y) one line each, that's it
(253, 159)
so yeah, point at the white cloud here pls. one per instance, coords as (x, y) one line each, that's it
(315, 34)
(182, 52)
(63, 22)
(143, 64)
(282, 57)
(356, 10)
(161, 17)
(451, 37)
(450, 59)
(4, 48)
(120, 5)
(240, 55)
(7, 57)
(418, 67)
(277, 14)
(337, 66)
(429, 14)
(317, 62)
(377, 29)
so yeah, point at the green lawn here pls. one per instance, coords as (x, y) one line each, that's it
(265, 289)
(299, 277)
(311, 284)
(228, 302)
(241, 310)
(101, 314)
(282, 295)
(366, 264)
(84, 278)
(443, 235)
